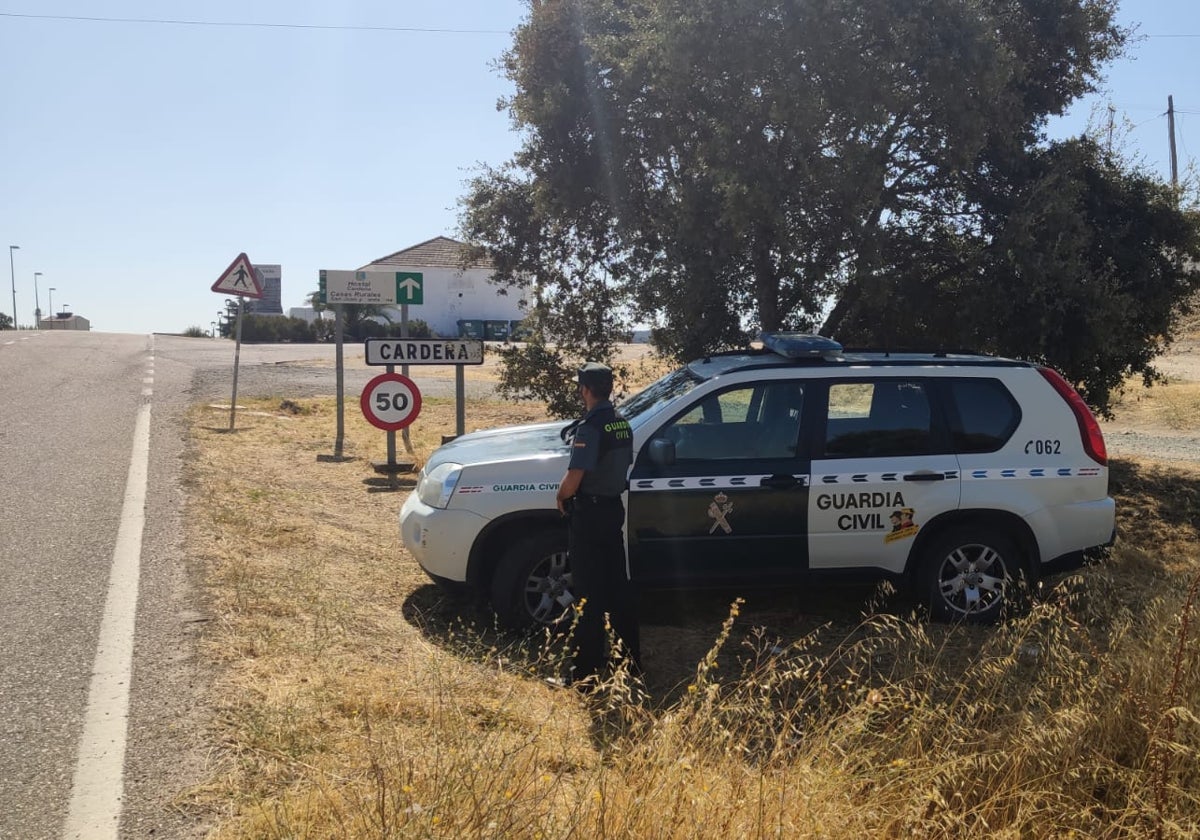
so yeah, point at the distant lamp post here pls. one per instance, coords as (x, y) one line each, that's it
(51, 305)
(37, 303)
(12, 273)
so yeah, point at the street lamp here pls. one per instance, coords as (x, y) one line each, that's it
(37, 303)
(13, 274)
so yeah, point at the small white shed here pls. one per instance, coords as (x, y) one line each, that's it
(65, 321)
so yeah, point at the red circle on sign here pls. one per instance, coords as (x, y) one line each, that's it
(391, 401)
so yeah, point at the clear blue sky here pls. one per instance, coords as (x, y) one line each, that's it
(138, 159)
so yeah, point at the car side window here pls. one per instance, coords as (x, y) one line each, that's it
(880, 418)
(986, 415)
(754, 421)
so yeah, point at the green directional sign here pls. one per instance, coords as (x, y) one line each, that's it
(410, 287)
(371, 287)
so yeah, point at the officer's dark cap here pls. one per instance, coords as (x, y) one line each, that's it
(596, 376)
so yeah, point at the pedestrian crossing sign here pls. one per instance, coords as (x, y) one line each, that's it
(239, 279)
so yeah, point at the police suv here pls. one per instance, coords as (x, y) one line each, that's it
(958, 476)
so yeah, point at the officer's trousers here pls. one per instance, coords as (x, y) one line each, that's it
(598, 574)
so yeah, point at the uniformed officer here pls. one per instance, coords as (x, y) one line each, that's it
(590, 494)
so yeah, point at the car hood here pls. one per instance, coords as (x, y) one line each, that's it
(508, 443)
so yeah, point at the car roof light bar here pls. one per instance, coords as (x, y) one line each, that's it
(794, 345)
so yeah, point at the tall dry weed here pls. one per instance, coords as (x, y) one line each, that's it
(357, 705)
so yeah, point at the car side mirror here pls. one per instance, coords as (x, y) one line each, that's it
(662, 452)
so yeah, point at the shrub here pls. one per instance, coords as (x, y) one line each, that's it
(417, 328)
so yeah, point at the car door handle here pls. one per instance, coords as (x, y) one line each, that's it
(925, 476)
(779, 482)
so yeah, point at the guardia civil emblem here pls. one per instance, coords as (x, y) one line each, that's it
(718, 510)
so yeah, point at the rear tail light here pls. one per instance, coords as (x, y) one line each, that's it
(1089, 429)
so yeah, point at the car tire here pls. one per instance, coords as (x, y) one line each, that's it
(973, 574)
(532, 582)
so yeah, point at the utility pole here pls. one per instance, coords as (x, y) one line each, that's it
(1171, 132)
(12, 272)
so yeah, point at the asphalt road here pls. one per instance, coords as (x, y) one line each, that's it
(69, 404)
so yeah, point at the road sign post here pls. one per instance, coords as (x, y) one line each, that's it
(241, 280)
(391, 401)
(339, 287)
(375, 287)
(237, 357)
(430, 351)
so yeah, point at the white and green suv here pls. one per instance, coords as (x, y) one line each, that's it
(958, 476)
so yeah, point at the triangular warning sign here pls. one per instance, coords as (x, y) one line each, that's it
(239, 279)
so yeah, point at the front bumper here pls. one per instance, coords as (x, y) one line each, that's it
(440, 540)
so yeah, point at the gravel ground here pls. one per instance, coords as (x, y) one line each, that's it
(1165, 446)
(1159, 442)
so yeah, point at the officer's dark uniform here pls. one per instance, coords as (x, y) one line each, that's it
(603, 449)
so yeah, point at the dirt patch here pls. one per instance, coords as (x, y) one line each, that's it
(1162, 421)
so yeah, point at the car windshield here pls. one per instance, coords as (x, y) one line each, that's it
(642, 406)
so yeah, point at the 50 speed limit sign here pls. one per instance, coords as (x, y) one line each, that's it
(391, 401)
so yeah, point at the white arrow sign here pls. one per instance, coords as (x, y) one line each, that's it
(411, 287)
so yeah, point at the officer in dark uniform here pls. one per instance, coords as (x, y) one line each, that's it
(590, 494)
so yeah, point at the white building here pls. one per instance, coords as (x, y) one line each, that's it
(456, 301)
(65, 321)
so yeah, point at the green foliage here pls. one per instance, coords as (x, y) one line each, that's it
(417, 328)
(273, 329)
(538, 372)
(195, 332)
(1068, 259)
(720, 167)
(6, 322)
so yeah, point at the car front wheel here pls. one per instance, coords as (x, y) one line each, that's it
(972, 574)
(532, 583)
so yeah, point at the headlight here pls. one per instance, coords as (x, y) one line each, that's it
(435, 488)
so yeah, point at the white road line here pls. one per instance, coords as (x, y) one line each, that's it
(95, 810)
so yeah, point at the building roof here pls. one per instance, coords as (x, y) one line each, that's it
(439, 252)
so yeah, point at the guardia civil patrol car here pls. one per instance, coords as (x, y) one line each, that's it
(959, 476)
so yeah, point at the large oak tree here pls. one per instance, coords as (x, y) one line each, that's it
(720, 167)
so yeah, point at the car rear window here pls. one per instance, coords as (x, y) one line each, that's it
(986, 413)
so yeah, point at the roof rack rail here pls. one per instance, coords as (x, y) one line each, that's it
(938, 352)
(717, 354)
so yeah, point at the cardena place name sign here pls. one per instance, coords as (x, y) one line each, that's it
(423, 351)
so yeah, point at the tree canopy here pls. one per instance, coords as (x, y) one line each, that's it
(1072, 260)
(720, 168)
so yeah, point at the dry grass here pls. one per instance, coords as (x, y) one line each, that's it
(1174, 404)
(355, 702)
